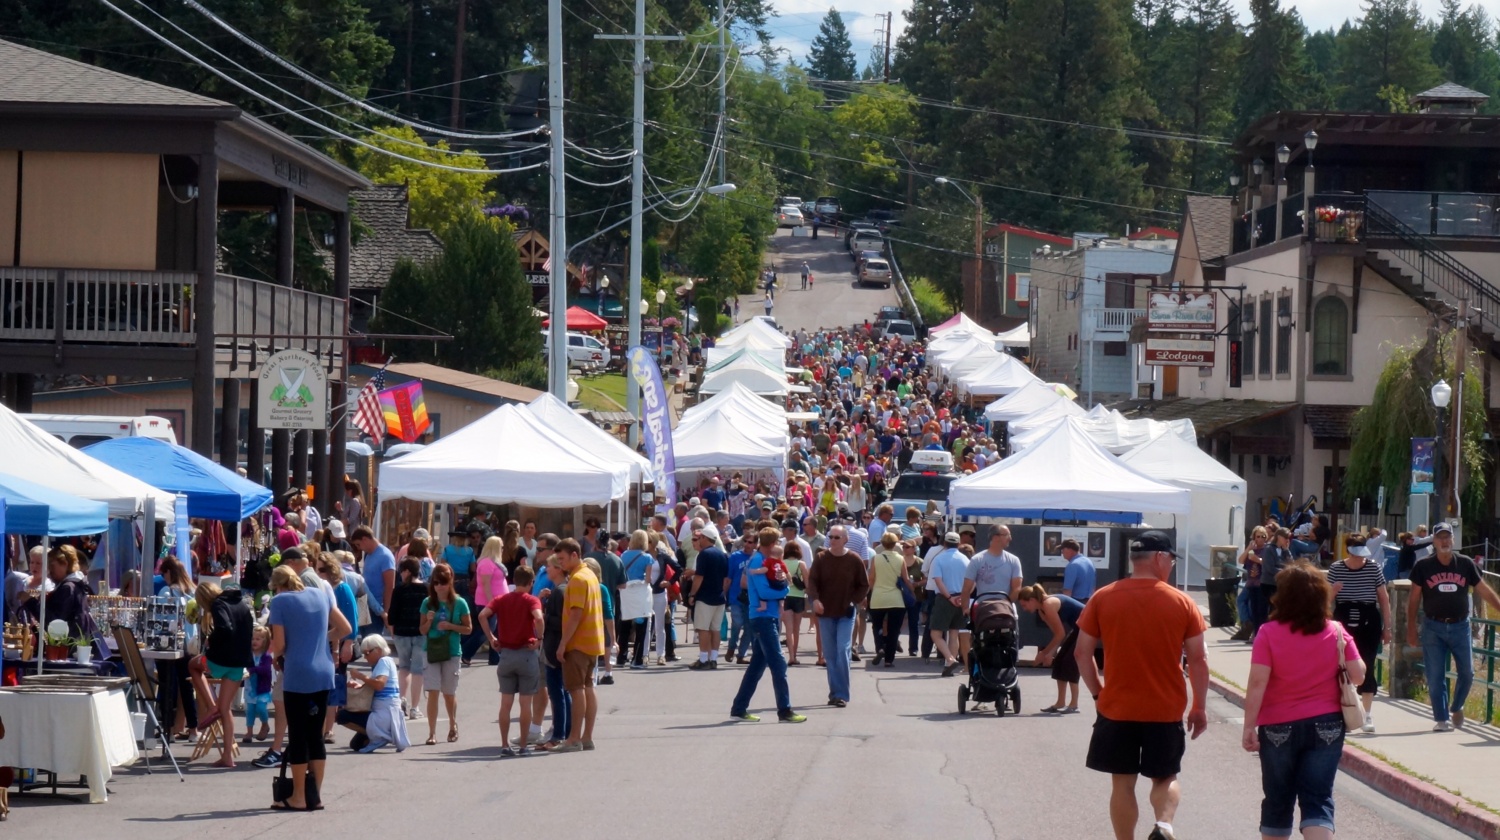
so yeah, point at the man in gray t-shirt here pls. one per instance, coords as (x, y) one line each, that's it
(994, 570)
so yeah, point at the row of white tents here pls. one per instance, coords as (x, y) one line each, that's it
(1089, 465)
(752, 355)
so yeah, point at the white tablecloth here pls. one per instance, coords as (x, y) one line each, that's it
(70, 734)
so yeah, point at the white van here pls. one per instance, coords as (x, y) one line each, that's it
(584, 351)
(80, 430)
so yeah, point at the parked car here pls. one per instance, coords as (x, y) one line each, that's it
(808, 208)
(876, 270)
(926, 478)
(867, 254)
(584, 351)
(789, 216)
(793, 200)
(890, 313)
(80, 430)
(827, 205)
(901, 329)
(866, 240)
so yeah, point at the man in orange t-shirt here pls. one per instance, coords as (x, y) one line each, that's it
(582, 643)
(1146, 626)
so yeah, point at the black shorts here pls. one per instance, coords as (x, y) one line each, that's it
(796, 606)
(1128, 748)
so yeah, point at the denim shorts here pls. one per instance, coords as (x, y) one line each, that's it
(1298, 763)
(411, 652)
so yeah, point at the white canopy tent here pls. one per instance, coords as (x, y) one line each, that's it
(1218, 508)
(1018, 337)
(751, 374)
(508, 456)
(718, 359)
(718, 441)
(36, 456)
(943, 354)
(1027, 401)
(963, 323)
(961, 370)
(1116, 432)
(557, 416)
(767, 340)
(1004, 375)
(743, 399)
(1065, 475)
(754, 327)
(1045, 420)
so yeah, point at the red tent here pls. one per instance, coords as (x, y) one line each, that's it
(581, 319)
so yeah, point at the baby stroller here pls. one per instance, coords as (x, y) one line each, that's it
(992, 656)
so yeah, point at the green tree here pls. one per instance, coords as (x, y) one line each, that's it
(718, 252)
(1389, 48)
(867, 127)
(1466, 51)
(1401, 409)
(441, 199)
(832, 55)
(474, 292)
(1273, 71)
(1200, 99)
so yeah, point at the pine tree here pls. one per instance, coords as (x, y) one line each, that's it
(1386, 56)
(1273, 67)
(832, 55)
(1465, 49)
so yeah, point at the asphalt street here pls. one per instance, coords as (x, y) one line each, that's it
(898, 762)
(833, 300)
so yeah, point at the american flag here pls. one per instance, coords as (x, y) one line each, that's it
(368, 415)
(547, 266)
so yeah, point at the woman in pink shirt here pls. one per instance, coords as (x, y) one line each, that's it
(1292, 713)
(490, 582)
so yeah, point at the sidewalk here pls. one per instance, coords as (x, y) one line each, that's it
(1449, 776)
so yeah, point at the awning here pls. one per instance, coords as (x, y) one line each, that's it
(1208, 416)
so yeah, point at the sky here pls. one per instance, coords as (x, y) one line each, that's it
(797, 24)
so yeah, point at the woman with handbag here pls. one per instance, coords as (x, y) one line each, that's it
(303, 626)
(918, 583)
(636, 599)
(445, 621)
(1296, 713)
(890, 590)
(1362, 604)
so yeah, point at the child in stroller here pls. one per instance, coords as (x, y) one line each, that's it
(992, 655)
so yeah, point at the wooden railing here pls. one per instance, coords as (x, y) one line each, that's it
(267, 315)
(96, 305)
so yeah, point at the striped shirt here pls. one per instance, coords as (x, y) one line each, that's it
(1359, 585)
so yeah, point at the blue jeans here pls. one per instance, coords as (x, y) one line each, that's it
(1439, 641)
(739, 635)
(836, 635)
(1298, 761)
(766, 646)
(562, 704)
(1242, 604)
(914, 628)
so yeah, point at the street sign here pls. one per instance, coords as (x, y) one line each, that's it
(1188, 352)
(293, 392)
(1180, 312)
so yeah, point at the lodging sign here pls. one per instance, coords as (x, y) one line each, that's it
(1190, 352)
(1181, 312)
(293, 392)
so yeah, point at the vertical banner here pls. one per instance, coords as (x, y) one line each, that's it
(183, 543)
(1423, 465)
(656, 425)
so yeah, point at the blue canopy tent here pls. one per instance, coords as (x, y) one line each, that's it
(33, 509)
(212, 491)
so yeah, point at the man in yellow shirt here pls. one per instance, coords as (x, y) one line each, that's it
(582, 643)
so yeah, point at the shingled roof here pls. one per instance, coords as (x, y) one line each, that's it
(33, 80)
(384, 210)
(1213, 225)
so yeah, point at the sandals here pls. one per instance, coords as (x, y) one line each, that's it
(1053, 710)
(452, 734)
(431, 741)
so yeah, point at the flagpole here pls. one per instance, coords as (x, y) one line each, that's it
(344, 409)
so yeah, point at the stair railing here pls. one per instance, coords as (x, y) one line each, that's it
(1432, 265)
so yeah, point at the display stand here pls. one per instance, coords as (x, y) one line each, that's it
(143, 689)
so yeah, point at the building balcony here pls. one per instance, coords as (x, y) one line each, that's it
(1110, 323)
(155, 309)
(1435, 215)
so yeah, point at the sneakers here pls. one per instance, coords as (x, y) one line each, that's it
(1443, 726)
(837, 703)
(791, 717)
(700, 665)
(637, 666)
(607, 679)
(1458, 719)
(269, 758)
(949, 668)
(1161, 831)
(1369, 725)
(984, 707)
(566, 747)
(535, 735)
(713, 664)
(746, 717)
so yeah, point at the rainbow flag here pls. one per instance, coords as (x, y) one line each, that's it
(405, 411)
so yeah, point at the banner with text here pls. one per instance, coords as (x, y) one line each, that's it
(655, 421)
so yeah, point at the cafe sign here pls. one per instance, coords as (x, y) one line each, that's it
(293, 392)
(1181, 312)
(1189, 352)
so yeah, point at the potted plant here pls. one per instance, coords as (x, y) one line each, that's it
(56, 642)
(83, 649)
(1350, 221)
(1328, 223)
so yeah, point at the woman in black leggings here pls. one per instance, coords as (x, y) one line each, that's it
(1362, 605)
(303, 625)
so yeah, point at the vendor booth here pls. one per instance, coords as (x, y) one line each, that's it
(1026, 401)
(719, 443)
(1113, 431)
(750, 372)
(1218, 497)
(1004, 375)
(1017, 337)
(212, 491)
(753, 331)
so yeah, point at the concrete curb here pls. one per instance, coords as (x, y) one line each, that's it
(1445, 807)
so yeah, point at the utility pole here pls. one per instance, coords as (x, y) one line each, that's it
(637, 193)
(887, 54)
(723, 91)
(456, 118)
(557, 331)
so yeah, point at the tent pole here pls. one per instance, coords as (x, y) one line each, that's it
(148, 537)
(41, 623)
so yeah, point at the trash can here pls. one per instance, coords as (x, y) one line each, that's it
(1221, 610)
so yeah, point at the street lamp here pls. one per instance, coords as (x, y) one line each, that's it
(688, 313)
(1442, 393)
(978, 242)
(661, 340)
(603, 287)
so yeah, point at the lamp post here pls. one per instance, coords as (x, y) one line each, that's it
(603, 287)
(1283, 154)
(1442, 393)
(688, 314)
(661, 337)
(978, 243)
(1309, 181)
(1257, 169)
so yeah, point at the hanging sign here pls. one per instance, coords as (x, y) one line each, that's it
(1192, 352)
(293, 392)
(1181, 312)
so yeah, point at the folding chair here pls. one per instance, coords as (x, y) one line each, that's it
(145, 693)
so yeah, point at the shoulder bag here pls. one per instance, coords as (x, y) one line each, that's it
(1354, 715)
(437, 646)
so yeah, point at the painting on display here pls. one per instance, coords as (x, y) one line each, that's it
(1095, 542)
